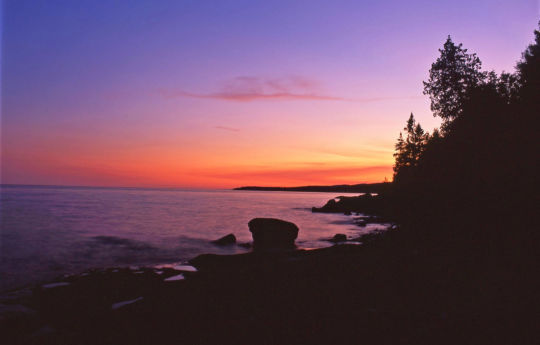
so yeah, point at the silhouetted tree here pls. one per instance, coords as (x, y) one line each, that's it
(529, 66)
(473, 180)
(451, 77)
(409, 149)
(528, 72)
(506, 85)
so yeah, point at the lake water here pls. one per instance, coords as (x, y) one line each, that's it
(50, 231)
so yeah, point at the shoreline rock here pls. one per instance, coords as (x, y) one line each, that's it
(349, 204)
(272, 233)
(225, 240)
(339, 238)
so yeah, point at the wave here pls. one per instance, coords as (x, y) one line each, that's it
(123, 242)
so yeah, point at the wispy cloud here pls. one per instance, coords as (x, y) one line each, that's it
(360, 152)
(291, 88)
(384, 98)
(248, 97)
(230, 129)
(247, 89)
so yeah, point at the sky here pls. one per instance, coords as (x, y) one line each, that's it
(218, 94)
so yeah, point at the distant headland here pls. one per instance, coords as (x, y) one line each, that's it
(342, 188)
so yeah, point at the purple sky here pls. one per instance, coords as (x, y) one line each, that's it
(219, 94)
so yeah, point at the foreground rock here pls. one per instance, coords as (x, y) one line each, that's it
(271, 233)
(366, 203)
(225, 240)
(339, 238)
(382, 293)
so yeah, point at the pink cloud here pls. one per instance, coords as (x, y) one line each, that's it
(292, 88)
(247, 88)
(231, 129)
(253, 96)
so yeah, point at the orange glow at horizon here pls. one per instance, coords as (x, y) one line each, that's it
(280, 148)
(183, 94)
(161, 167)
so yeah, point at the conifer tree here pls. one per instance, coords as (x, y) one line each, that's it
(451, 78)
(410, 148)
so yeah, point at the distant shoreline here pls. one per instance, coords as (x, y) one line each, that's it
(344, 188)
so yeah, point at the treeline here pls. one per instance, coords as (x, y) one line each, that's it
(474, 179)
(342, 188)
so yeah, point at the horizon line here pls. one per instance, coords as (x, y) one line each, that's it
(174, 187)
(104, 187)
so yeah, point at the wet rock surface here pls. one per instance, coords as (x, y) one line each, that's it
(380, 292)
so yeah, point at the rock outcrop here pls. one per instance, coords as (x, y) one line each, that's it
(225, 240)
(271, 233)
(339, 238)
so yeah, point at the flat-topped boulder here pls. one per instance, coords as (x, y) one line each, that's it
(272, 233)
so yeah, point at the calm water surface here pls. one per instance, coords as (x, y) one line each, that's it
(49, 231)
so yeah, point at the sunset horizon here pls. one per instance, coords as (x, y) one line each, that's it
(127, 100)
(269, 172)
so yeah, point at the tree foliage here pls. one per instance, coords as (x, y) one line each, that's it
(410, 148)
(451, 77)
(529, 66)
(482, 165)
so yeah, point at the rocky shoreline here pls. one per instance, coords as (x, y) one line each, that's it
(77, 305)
(379, 292)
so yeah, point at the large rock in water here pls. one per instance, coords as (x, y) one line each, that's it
(271, 233)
